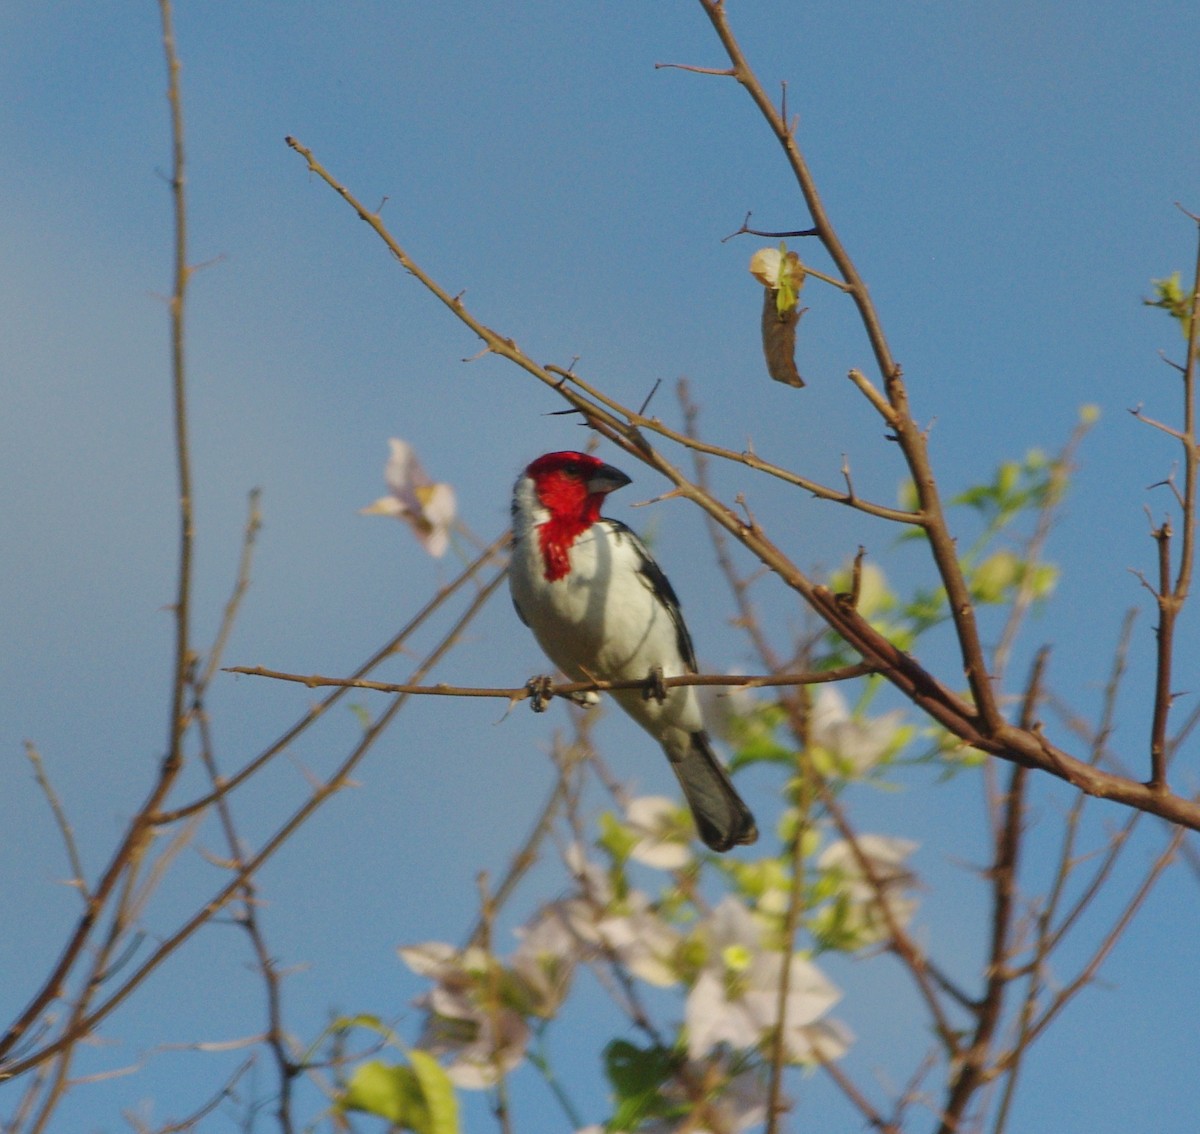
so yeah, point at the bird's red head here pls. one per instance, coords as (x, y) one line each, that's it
(571, 487)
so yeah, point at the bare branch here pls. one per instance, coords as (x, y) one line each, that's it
(978, 721)
(253, 862)
(435, 603)
(542, 689)
(911, 439)
(60, 818)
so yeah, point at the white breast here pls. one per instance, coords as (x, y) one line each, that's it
(603, 619)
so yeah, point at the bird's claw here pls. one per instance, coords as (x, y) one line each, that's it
(655, 688)
(541, 691)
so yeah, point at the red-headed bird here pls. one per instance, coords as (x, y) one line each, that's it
(602, 609)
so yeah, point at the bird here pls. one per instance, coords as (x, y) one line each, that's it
(602, 610)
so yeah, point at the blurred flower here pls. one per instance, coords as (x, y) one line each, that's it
(485, 1047)
(735, 999)
(545, 960)
(857, 744)
(741, 1105)
(643, 942)
(661, 830)
(723, 706)
(856, 915)
(478, 1006)
(428, 508)
(627, 928)
(469, 1017)
(738, 1104)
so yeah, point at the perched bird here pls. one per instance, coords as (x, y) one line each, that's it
(602, 609)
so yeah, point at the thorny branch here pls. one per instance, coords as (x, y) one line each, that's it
(130, 876)
(275, 1037)
(909, 435)
(251, 863)
(1171, 594)
(977, 722)
(543, 689)
(139, 833)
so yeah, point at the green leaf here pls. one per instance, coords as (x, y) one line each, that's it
(1170, 296)
(389, 1091)
(348, 1023)
(791, 280)
(419, 1098)
(441, 1102)
(1043, 579)
(994, 578)
(365, 1020)
(761, 750)
(615, 837)
(637, 1077)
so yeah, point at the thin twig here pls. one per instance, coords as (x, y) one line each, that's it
(139, 830)
(1171, 595)
(253, 862)
(910, 437)
(972, 1069)
(539, 690)
(392, 646)
(184, 659)
(60, 818)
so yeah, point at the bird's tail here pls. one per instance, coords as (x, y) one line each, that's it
(722, 819)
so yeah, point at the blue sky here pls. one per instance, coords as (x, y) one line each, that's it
(1004, 177)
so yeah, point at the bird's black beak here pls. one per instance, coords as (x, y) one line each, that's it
(606, 479)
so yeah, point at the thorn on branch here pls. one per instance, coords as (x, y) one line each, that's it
(672, 494)
(850, 496)
(649, 397)
(746, 230)
(738, 232)
(856, 576)
(722, 72)
(751, 522)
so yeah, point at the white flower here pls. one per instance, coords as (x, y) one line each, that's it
(859, 914)
(428, 508)
(738, 1104)
(471, 1015)
(628, 929)
(735, 1000)
(856, 743)
(484, 1047)
(781, 271)
(723, 705)
(662, 831)
(645, 944)
(765, 265)
(545, 959)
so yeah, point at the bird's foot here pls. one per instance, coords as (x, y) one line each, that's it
(541, 692)
(655, 688)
